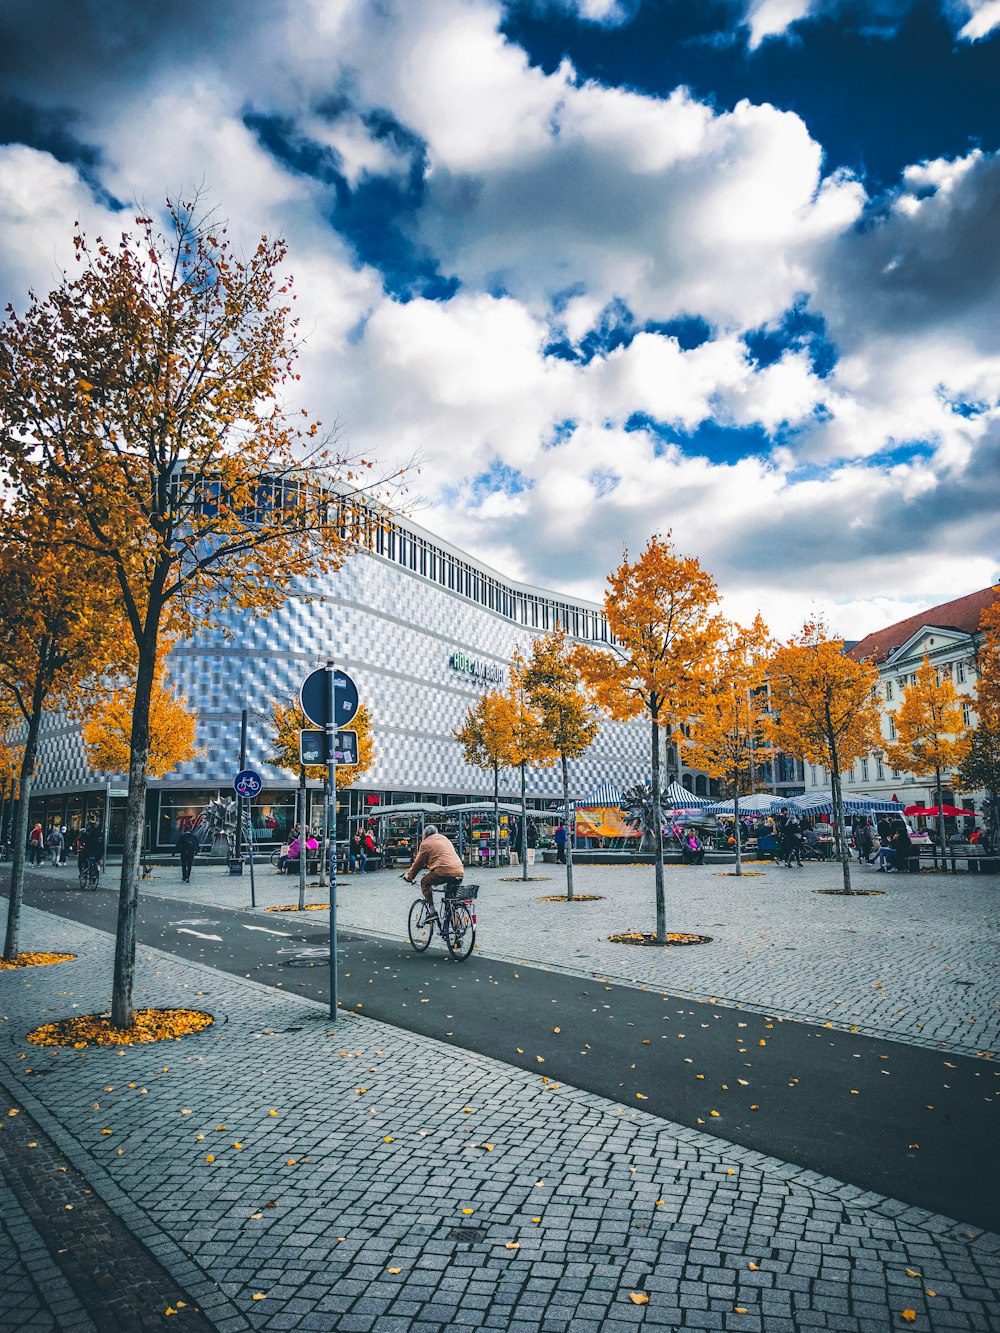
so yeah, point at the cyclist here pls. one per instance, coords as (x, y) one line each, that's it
(93, 845)
(438, 858)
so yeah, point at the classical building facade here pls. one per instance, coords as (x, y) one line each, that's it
(949, 636)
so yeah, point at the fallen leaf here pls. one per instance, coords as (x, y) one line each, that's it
(754, 1268)
(642, 1096)
(209, 1158)
(908, 1315)
(260, 1296)
(169, 1310)
(387, 1138)
(512, 1245)
(740, 1309)
(639, 1297)
(467, 1212)
(928, 1292)
(393, 1270)
(536, 1219)
(912, 1272)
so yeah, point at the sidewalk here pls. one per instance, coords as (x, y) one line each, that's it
(376, 1159)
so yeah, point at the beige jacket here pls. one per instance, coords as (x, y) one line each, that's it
(437, 855)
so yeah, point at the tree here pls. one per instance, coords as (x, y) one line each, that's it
(287, 720)
(824, 709)
(151, 387)
(485, 738)
(930, 731)
(553, 686)
(660, 610)
(725, 734)
(979, 767)
(107, 729)
(529, 742)
(60, 630)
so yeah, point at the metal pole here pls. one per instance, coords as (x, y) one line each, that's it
(253, 886)
(238, 844)
(331, 823)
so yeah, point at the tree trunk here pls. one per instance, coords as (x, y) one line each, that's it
(940, 817)
(736, 824)
(661, 906)
(569, 837)
(122, 1013)
(524, 826)
(838, 817)
(20, 834)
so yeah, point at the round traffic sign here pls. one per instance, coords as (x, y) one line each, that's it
(314, 698)
(247, 783)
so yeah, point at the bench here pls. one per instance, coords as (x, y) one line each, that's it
(977, 861)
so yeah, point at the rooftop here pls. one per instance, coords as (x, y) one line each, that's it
(962, 614)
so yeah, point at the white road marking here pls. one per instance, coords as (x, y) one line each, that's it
(264, 931)
(183, 930)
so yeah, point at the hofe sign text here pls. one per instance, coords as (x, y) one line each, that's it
(485, 671)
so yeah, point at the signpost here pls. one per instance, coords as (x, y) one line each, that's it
(313, 748)
(247, 784)
(329, 700)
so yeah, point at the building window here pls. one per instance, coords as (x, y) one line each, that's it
(864, 770)
(960, 672)
(879, 770)
(888, 689)
(967, 715)
(892, 728)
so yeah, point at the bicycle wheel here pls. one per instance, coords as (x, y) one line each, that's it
(460, 932)
(84, 877)
(419, 927)
(93, 877)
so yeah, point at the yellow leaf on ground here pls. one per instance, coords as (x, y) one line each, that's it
(754, 1268)
(467, 1212)
(912, 1272)
(512, 1245)
(642, 1096)
(260, 1296)
(639, 1297)
(908, 1315)
(387, 1138)
(740, 1309)
(393, 1270)
(169, 1310)
(209, 1158)
(536, 1219)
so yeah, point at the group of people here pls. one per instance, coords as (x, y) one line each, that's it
(60, 840)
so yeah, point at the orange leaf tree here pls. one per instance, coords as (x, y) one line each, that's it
(661, 611)
(553, 686)
(824, 710)
(151, 386)
(529, 741)
(485, 738)
(107, 728)
(725, 733)
(287, 720)
(980, 765)
(60, 630)
(930, 731)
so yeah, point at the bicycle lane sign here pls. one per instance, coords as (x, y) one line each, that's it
(247, 783)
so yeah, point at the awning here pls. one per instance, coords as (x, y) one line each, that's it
(821, 803)
(407, 808)
(761, 803)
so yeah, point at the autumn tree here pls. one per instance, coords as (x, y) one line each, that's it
(60, 630)
(107, 728)
(725, 733)
(824, 709)
(485, 737)
(529, 742)
(287, 720)
(553, 687)
(929, 731)
(151, 386)
(661, 611)
(980, 765)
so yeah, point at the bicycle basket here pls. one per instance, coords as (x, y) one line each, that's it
(462, 892)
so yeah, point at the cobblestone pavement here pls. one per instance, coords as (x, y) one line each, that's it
(918, 963)
(293, 1174)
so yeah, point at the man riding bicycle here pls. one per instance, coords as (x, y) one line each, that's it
(438, 858)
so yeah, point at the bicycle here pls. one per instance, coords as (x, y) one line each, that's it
(456, 921)
(90, 873)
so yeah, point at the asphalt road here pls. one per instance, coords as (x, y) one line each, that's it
(917, 1125)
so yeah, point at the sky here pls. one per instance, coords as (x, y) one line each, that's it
(608, 268)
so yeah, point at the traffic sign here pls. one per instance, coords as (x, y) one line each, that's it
(313, 695)
(313, 748)
(247, 783)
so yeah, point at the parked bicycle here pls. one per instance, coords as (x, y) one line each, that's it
(455, 920)
(90, 873)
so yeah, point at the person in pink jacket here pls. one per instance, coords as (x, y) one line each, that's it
(438, 858)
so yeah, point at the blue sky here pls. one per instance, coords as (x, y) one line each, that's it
(608, 267)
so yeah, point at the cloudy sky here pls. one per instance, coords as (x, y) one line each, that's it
(609, 267)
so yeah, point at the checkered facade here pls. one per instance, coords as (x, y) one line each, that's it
(395, 633)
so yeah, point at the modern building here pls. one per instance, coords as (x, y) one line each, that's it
(949, 635)
(420, 626)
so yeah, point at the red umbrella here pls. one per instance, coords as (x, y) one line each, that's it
(947, 810)
(916, 810)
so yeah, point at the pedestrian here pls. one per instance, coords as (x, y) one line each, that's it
(54, 842)
(359, 853)
(692, 848)
(36, 845)
(791, 842)
(560, 841)
(187, 844)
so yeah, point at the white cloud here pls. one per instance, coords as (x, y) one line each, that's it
(772, 18)
(984, 18)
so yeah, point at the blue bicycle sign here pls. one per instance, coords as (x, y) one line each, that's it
(248, 784)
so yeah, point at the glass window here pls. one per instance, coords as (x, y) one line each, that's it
(879, 770)
(888, 689)
(960, 672)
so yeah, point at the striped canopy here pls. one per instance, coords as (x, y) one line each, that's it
(762, 803)
(675, 797)
(821, 803)
(679, 798)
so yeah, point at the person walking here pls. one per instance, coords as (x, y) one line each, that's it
(560, 841)
(187, 845)
(36, 845)
(791, 842)
(54, 842)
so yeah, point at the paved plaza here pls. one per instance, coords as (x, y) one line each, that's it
(291, 1173)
